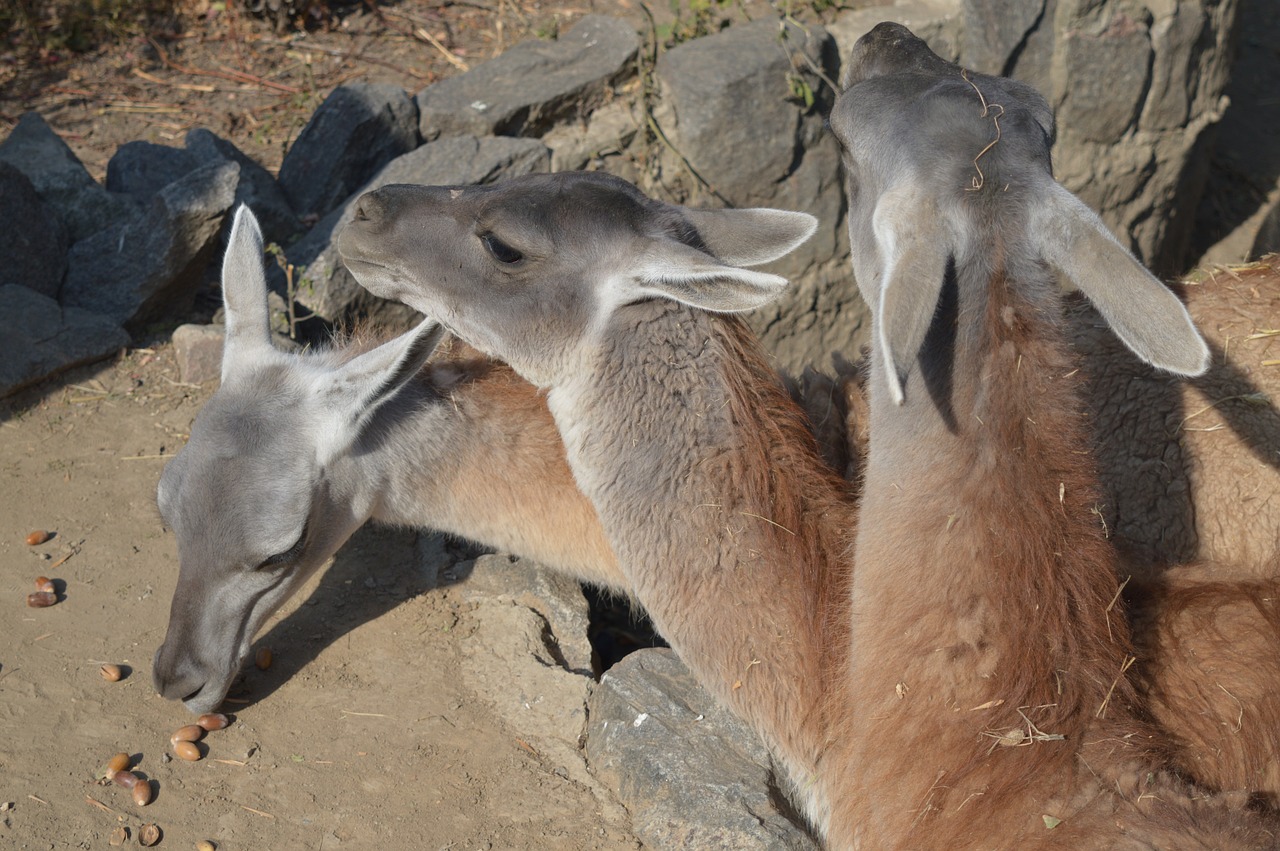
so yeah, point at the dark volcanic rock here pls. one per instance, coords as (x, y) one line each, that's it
(40, 339)
(256, 187)
(138, 271)
(1268, 239)
(750, 94)
(61, 180)
(358, 129)
(33, 253)
(523, 91)
(691, 773)
(142, 169)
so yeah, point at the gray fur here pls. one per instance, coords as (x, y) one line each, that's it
(295, 451)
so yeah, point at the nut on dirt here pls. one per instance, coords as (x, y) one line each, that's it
(206, 845)
(189, 733)
(148, 835)
(211, 721)
(112, 673)
(38, 537)
(262, 658)
(119, 762)
(125, 778)
(189, 751)
(119, 836)
(42, 599)
(44, 583)
(142, 793)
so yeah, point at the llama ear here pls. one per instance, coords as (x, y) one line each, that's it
(669, 269)
(356, 389)
(359, 386)
(244, 293)
(1142, 311)
(751, 237)
(914, 248)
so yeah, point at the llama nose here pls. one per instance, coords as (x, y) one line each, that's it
(371, 207)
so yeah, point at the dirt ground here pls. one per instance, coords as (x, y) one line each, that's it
(366, 731)
(363, 732)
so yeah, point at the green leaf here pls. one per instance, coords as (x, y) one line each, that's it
(1051, 822)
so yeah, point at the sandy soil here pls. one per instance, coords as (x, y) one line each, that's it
(362, 733)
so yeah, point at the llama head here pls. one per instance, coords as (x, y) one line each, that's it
(946, 167)
(532, 269)
(250, 497)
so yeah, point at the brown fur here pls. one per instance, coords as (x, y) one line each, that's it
(1209, 671)
(1014, 607)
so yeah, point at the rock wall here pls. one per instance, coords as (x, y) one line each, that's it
(731, 119)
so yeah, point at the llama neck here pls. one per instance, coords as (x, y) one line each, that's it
(470, 449)
(984, 562)
(722, 516)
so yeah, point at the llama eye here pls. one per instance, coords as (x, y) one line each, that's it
(501, 252)
(288, 556)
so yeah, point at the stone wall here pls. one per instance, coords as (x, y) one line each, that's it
(734, 118)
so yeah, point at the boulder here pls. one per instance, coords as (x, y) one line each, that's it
(198, 350)
(691, 774)
(39, 338)
(525, 648)
(61, 181)
(142, 169)
(1137, 86)
(781, 72)
(144, 269)
(359, 128)
(329, 290)
(256, 188)
(528, 88)
(1268, 239)
(33, 253)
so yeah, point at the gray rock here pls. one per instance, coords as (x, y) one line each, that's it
(994, 30)
(359, 128)
(33, 253)
(525, 90)
(793, 164)
(39, 338)
(139, 270)
(330, 290)
(523, 630)
(61, 180)
(198, 350)
(1137, 86)
(1108, 66)
(935, 21)
(256, 188)
(1268, 239)
(691, 774)
(555, 596)
(142, 169)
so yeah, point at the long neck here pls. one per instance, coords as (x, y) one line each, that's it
(471, 449)
(723, 518)
(990, 635)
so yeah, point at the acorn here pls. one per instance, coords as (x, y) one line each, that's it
(42, 599)
(142, 793)
(111, 673)
(189, 751)
(116, 764)
(262, 658)
(211, 721)
(189, 733)
(38, 537)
